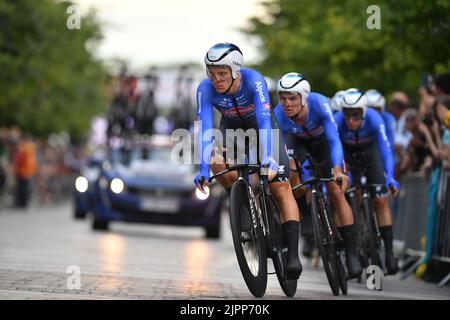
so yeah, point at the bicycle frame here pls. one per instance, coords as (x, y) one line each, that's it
(326, 234)
(370, 216)
(259, 202)
(316, 186)
(243, 172)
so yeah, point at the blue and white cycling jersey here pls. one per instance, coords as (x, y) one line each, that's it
(250, 106)
(372, 129)
(319, 123)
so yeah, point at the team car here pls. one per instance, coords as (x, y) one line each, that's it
(144, 184)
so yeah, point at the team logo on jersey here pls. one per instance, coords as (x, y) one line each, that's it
(238, 111)
(266, 106)
(259, 89)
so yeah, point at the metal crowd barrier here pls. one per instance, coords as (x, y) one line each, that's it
(411, 221)
(442, 243)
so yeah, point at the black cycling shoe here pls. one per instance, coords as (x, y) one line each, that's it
(391, 264)
(350, 237)
(354, 267)
(308, 247)
(294, 268)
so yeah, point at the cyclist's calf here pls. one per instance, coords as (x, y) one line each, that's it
(283, 195)
(381, 207)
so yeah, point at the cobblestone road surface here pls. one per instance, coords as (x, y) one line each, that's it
(145, 262)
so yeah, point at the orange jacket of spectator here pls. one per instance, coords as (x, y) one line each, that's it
(25, 161)
(447, 119)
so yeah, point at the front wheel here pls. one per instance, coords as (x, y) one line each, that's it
(289, 286)
(99, 224)
(212, 233)
(372, 237)
(324, 243)
(79, 215)
(249, 245)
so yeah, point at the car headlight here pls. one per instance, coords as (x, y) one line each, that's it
(200, 195)
(81, 184)
(117, 185)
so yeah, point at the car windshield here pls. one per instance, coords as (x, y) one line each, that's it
(127, 157)
(162, 155)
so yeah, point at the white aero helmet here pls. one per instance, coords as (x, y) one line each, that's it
(295, 83)
(225, 54)
(354, 99)
(336, 101)
(375, 99)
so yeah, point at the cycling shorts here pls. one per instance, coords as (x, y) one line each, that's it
(251, 146)
(373, 166)
(318, 148)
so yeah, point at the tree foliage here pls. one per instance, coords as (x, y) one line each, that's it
(49, 80)
(329, 42)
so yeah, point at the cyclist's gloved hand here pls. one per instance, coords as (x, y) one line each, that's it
(394, 186)
(200, 181)
(269, 167)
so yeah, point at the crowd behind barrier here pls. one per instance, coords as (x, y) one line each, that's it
(422, 211)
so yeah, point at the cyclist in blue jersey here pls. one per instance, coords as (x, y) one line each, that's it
(241, 96)
(376, 100)
(362, 129)
(307, 123)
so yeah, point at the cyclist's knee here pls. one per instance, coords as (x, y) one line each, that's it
(380, 203)
(281, 191)
(226, 180)
(280, 188)
(217, 163)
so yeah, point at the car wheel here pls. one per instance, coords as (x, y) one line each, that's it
(100, 224)
(213, 233)
(79, 214)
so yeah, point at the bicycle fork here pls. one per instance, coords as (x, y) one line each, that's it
(255, 211)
